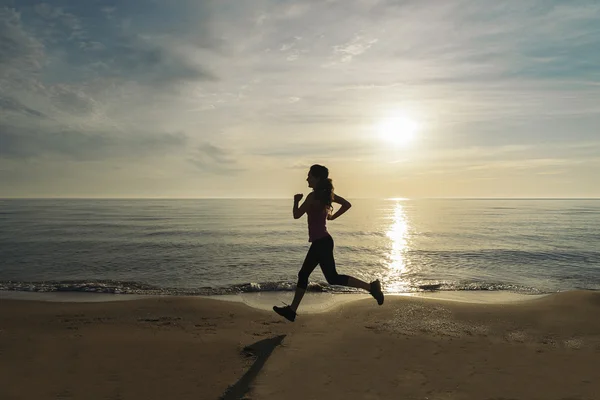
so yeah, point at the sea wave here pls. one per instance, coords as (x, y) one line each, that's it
(140, 288)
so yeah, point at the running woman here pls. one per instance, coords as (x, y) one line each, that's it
(318, 208)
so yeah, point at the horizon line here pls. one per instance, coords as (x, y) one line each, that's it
(288, 198)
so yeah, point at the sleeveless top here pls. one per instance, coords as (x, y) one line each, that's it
(317, 223)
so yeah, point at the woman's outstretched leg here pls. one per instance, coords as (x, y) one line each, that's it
(357, 283)
(374, 288)
(327, 262)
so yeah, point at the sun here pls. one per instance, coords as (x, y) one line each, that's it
(399, 129)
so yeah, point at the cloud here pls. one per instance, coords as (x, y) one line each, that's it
(215, 159)
(70, 99)
(138, 59)
(25, 143)
(530, 163)
(367, 86)
(283, 12)
(59, 23)
(8, 104)
(109, 12)
(497, 161)
(92, 46)
(321, 149)
(19, 52)
(355, 47)
(300, 166)
(79, 47)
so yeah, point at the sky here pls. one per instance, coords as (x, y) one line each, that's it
(224, 98)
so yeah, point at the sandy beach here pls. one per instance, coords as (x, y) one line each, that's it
(199, 348)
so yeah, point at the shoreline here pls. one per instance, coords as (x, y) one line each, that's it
(311, 303)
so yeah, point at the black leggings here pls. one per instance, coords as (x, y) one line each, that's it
(321, 252)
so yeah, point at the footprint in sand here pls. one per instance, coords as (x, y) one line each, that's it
(573, 343)
(516, 336)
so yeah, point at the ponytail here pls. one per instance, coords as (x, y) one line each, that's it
(324, 191)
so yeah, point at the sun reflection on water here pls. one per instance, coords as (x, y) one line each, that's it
(397, 266)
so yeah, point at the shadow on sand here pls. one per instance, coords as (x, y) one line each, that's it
(261, 350)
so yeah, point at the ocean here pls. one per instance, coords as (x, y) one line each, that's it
(229, 246)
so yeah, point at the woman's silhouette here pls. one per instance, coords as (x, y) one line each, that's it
(317, 207)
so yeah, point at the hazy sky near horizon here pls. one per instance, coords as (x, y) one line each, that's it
(223, 98)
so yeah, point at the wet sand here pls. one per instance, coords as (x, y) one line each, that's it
(198, 348)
